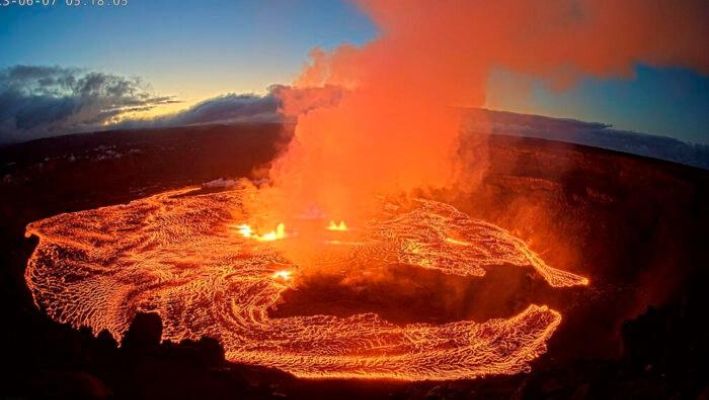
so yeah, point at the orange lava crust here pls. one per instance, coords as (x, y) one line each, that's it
(174, 254)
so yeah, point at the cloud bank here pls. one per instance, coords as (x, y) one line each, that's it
(42, 101)
(229, 108)
(39, 101)
(281, 103)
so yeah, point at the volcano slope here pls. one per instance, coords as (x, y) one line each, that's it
(632, 225)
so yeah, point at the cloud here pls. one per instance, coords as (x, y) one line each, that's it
(42, 101)
(281, 103)
(227, 108)
(38, 101)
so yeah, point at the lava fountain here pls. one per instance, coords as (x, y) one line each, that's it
(191, 258)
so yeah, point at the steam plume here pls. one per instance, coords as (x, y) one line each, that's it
(394, 127)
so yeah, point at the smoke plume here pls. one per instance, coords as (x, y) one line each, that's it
(394, 127)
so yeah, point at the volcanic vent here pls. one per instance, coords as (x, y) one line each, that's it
(192, 258)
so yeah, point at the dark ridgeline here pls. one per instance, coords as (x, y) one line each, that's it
(641, 225)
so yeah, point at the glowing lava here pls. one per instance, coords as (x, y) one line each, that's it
(174, 254)
(279, 233)
(284, 275)
(334, 226)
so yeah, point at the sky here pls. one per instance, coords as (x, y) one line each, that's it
(190, 49)
(662, 101)
(194, 50)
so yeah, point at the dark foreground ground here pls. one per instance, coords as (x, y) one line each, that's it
(636, 227)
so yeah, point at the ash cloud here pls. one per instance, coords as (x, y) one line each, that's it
(39, 101)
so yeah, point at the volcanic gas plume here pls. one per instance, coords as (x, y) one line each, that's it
(191, 258)
(394, 125)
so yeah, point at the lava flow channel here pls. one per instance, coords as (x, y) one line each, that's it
(177, 254)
